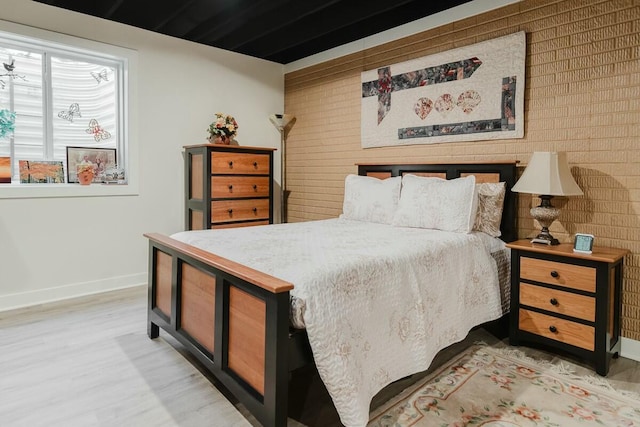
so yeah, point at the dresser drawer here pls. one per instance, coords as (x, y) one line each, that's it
(240, 224)
(239, 163)
(565, 331)
(239, 210)
(239, 186)
(556, 273)
(580, 306)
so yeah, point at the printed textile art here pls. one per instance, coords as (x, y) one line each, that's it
(488, 386)
(466, 94)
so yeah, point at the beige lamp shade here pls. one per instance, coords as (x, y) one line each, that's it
(548, 174)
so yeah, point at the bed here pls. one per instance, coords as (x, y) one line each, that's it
(234, 307)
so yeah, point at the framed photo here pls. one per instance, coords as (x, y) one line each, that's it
(5, 170)
(41, 172)
(583, 243)
(102, 158)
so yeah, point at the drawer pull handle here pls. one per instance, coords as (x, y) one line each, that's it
(255, 210)
(554, 274)
(255, 187)
(255, 165)
(230, 187)
(553, 329)
(230, 212)
(231, 165)
(553, 301)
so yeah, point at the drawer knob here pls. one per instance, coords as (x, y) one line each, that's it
(554, 274)
(230, 212)
(230, 187)
(553, 329)
(255, 187)
(231, 165)
(255, 165)
(255, 210)
(553, 301)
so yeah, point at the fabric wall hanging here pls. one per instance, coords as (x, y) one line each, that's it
(470, 93)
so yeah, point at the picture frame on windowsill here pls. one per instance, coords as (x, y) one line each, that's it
(102, 158)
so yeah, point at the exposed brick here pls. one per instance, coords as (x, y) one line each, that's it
(582, 96)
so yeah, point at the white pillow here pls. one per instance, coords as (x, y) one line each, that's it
(370, 199)
(436, 203)
(490, 206)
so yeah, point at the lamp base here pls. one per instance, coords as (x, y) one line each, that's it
(545, 240)
(545, 214)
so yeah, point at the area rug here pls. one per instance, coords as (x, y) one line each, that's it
(502, 387)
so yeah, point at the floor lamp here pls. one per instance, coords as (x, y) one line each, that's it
(284, 123)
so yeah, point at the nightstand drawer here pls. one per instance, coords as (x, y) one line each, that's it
(239, 210)
(239, 186)
(574, 305)
(556, 273)
(565, 331)
(240, 163)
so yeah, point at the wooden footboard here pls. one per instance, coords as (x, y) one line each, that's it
(234, 319)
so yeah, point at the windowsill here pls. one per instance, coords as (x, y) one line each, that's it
(35, 191)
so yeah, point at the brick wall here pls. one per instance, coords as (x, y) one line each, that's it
(582, 97)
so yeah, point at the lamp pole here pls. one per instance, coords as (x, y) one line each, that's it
(284, 123)
(283, 179)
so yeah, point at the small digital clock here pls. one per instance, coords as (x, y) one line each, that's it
(583, 243)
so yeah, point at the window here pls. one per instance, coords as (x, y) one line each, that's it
(54, 96)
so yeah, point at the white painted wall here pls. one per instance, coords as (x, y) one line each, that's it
(53, 248)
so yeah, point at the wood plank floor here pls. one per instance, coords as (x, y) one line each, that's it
(89, 362)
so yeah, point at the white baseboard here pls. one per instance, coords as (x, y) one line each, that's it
(41, 296)
(630, 349)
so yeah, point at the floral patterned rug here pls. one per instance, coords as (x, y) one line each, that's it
(502, 387)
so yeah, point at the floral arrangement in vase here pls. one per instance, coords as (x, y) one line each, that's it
(222, 129)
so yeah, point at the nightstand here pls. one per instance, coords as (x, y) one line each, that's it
(566, 300)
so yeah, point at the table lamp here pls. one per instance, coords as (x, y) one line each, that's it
(547, 175)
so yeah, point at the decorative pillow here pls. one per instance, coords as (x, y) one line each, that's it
(370, 199)
(436, 203)
(490, 205)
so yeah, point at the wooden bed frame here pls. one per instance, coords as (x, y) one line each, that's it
(235, 320)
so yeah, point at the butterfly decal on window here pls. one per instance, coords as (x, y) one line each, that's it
(102, 75)
(97, 131)
(72, 113)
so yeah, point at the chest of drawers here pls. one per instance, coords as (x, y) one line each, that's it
(566, 300)
(228, 186)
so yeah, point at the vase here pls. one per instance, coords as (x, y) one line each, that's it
(220, 139)
(85, 178)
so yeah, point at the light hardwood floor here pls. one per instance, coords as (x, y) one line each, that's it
(89, 362)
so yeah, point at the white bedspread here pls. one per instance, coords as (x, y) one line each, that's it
(381, 301)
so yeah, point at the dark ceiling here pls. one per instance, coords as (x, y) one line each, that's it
(277, 30)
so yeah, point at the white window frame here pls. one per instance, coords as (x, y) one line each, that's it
(57, 43)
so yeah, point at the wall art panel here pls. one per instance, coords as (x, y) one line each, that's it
(470, 93)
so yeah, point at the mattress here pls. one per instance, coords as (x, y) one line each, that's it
(378, 301)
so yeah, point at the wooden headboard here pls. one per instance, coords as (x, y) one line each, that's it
(484, 172)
